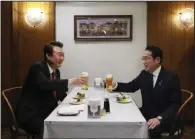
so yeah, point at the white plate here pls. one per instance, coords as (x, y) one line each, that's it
(74, 102)
(67, 111)
(68, 114)
(123, 102)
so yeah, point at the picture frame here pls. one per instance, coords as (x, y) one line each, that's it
(103, 27)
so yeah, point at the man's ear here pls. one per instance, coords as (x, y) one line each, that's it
(158, 59)
(47, 56)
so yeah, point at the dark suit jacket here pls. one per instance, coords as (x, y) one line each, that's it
(162, 100)
(37, 99)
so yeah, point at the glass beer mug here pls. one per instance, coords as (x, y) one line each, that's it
(85, 75)
(109, 80)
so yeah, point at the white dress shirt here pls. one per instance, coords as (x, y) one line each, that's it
(50, 69)
(155, 75)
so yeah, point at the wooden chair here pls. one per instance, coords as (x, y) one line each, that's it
(177, 128)
(11, 97)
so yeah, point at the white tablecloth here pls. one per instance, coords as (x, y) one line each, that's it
(124, 121)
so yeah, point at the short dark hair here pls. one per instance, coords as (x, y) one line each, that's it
(48, 49)
(156, 51)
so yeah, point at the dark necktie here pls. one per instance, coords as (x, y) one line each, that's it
(151, 78)
(53, 77)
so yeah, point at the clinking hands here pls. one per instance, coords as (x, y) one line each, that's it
(78, 81)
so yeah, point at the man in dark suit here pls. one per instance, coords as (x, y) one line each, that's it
(160, 91)
(42, 89)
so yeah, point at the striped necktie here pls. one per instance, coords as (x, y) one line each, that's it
(53, 77)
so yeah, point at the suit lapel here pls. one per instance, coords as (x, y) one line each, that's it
(57, 74)
(148, 80)
(47, 73)
(46, 69)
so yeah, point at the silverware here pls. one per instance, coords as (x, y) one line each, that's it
(121, 94)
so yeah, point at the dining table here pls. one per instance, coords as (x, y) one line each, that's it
(123, 121)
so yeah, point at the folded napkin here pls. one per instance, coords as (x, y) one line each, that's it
(68, 111)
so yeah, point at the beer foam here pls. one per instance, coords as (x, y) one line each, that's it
(109, 75)
(84, 73)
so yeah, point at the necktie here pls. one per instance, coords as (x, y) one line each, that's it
(151, 78)
(53, 77)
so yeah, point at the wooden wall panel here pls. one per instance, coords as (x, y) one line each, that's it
(177, 42)
(22, 45)
(6, 43)
(15, 47)
(31, 40)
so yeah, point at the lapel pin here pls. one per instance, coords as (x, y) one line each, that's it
(160, 82)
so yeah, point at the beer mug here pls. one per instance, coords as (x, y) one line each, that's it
(85, 75)
(109, 80)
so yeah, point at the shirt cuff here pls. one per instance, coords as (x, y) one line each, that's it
(116, 85)
(69, 83)
(159, 118)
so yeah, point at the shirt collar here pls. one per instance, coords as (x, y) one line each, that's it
(157, 71)
(50, 69)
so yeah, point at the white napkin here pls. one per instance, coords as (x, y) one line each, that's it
(68, 110)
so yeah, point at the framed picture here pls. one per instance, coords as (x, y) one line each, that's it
(103, 27)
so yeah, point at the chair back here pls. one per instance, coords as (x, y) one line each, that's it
(178, 125)
(11, 97)
(188, 99)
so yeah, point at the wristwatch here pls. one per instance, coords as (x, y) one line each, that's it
(159, 118)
